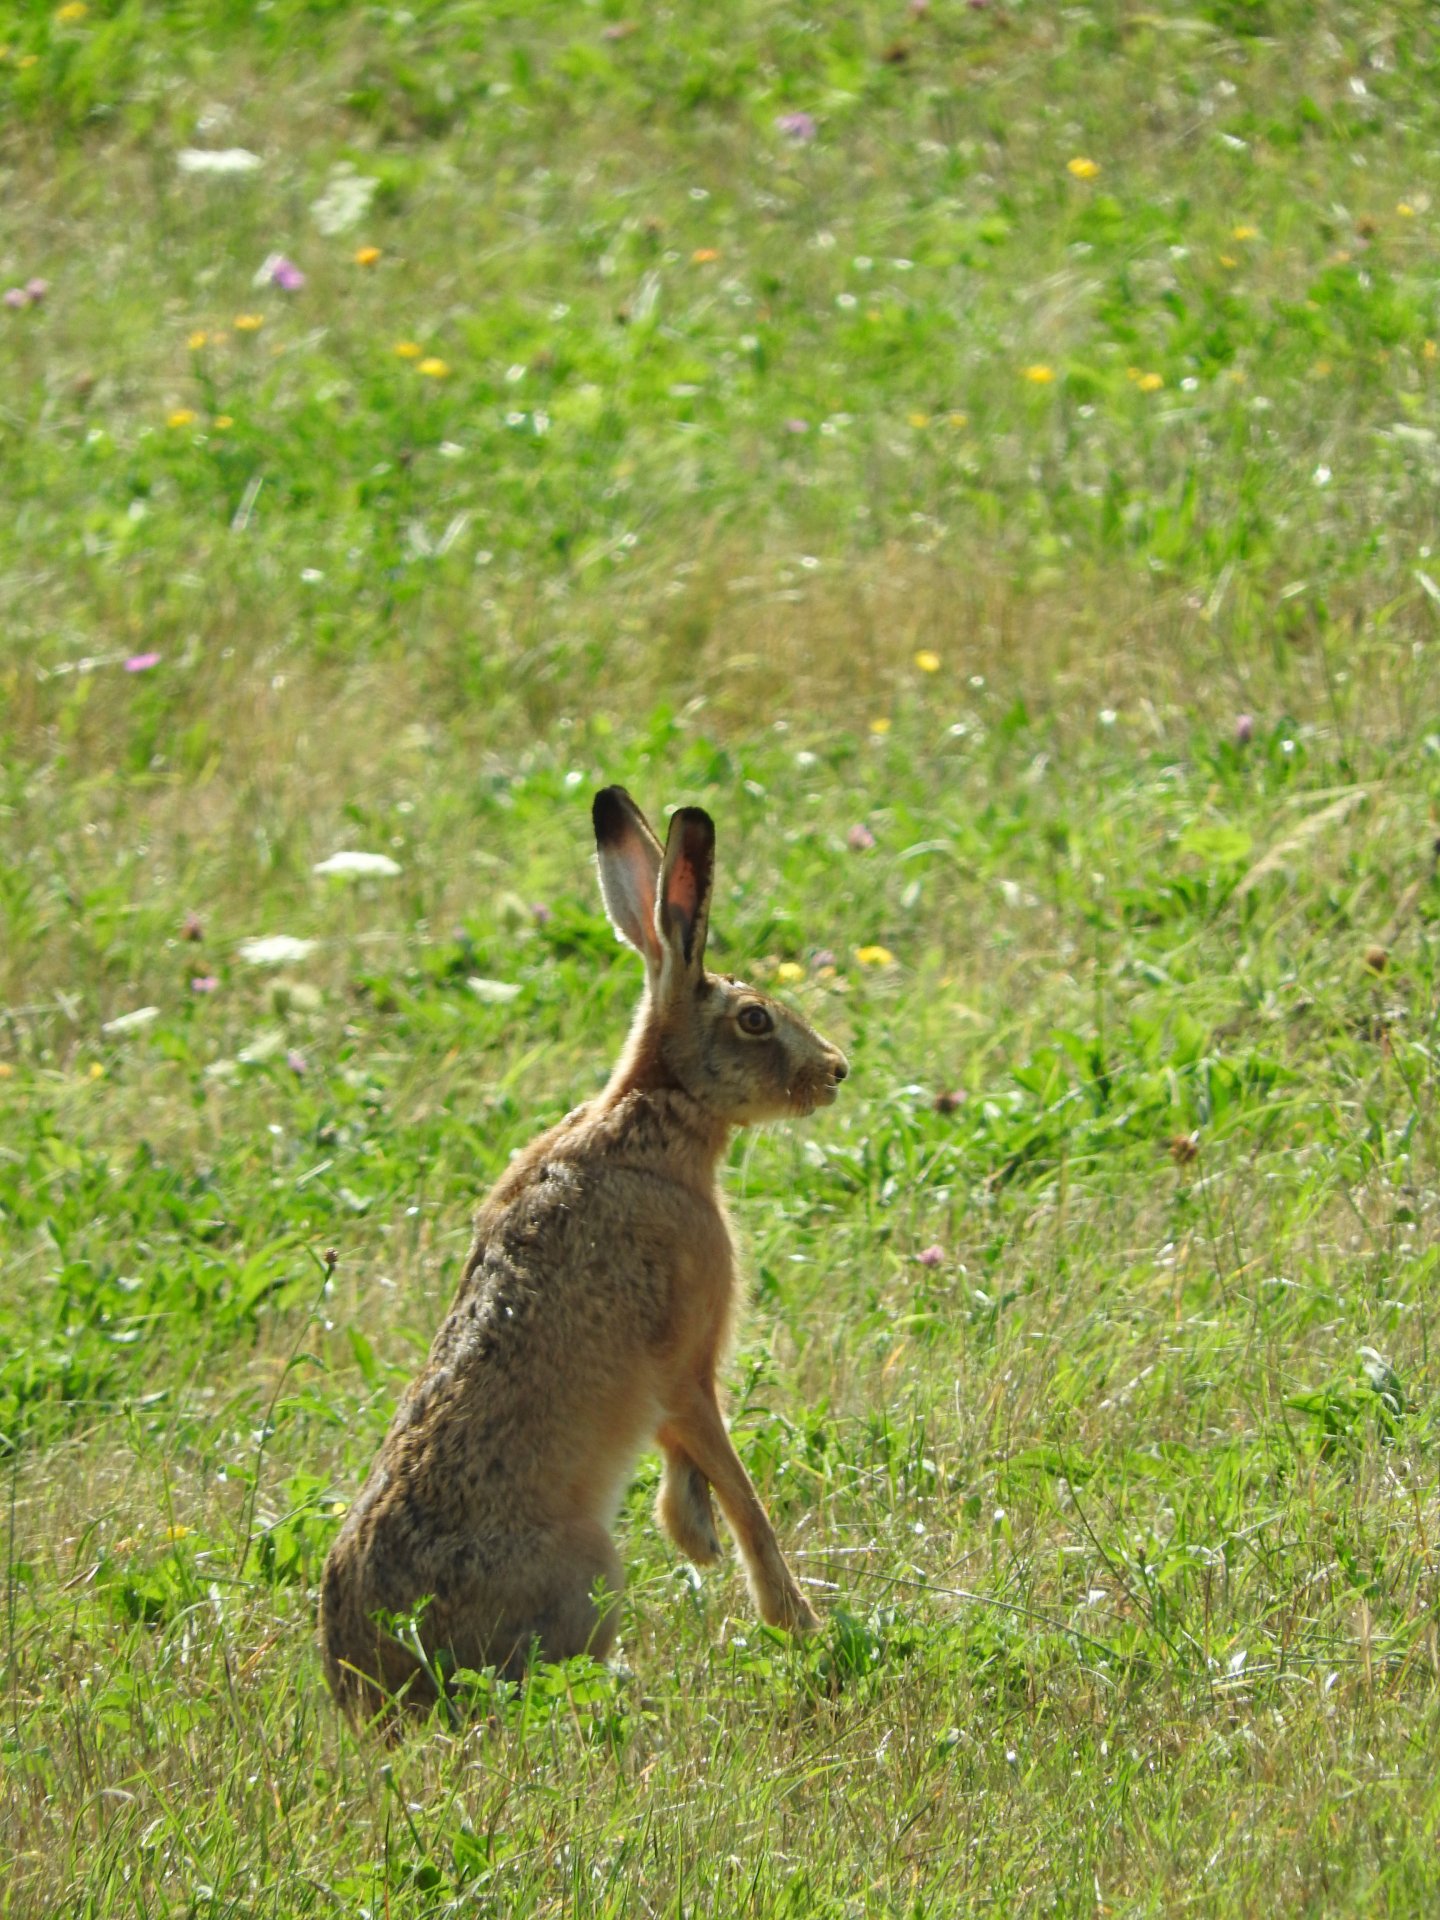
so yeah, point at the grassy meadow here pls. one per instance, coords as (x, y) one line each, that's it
(988, 456)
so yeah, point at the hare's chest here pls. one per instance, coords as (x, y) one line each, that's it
(704, 1285)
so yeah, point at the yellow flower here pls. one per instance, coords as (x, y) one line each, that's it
(1040, 376)
(71, 13)
(28, 60)
(408, 350)
(927, 662)
(177, 1532)
(181, 417)
(1404, 209)
(197, 340)
(1429, 350)
(1150, 382)
(1226, 260)
(97, 1072)
(919, 419)
(702, 256)
(433, 369)
(875, 956)
(249, 322)
(1245, 233)
(957, 419)
(222, 421)
(880, 724)
(6, 1070)
(366, 256)
(1082, 168)
(788, 972)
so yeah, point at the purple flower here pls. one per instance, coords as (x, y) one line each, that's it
(286, 275)
(797, 426)
(541, 914)
(1244, 729)
(142, 662)
(822, 957)
(36, 291)
(16, 297)
(930, 1256)
(296, 1061)
(860, 839)
(192, 929)
(204, 983)
(797, 126)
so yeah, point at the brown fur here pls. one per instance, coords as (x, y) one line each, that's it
(591, 1319)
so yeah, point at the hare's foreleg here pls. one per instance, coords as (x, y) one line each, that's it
(696, 1431)
(685, 1510)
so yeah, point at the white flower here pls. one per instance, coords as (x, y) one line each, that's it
(345, 201)
(275, 950)
(365, 866)
(217, 160)
(495, 993)
(131, 1022)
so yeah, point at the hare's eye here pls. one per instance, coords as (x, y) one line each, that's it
(754, 1019)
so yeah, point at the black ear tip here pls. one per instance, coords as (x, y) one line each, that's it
(694, 821)
(607, 810)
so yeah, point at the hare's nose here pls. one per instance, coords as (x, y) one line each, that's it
(839, 1068)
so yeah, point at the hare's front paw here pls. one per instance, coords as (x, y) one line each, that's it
(687, 1513)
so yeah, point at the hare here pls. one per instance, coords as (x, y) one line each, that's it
(592, 1317)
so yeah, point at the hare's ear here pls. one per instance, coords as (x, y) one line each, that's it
(629, 858)
(683, 914)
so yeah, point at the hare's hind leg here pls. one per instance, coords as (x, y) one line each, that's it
(552, 1591)
(697, 1430)
(685, 1510)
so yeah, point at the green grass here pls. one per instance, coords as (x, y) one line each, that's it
(738, 486)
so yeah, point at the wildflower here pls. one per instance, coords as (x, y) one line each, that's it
(130, 1022)
(797, 426)
(72, 13)
(1150, 382)
(1038, 375)
(286, 275)
(97, 1072)
(1404, 209)
(823, 960)
(359, 865)
(702, 256)
(36, 290)
(919, 419)
(16, 297)
(799, 127)
(249, 322)
(949, 1101)
(433, 369)
(181, 417)
(366, 256)
(927, 661)
(25, 62)
(880, 724)
(297, 1062)
(1082, 167)
(875, 956)
(222, 421)
(276, 950)
(204, 983)
(957, 420)
(931, 1256)
(192, 929)
(1244, 233)
(7, 1072)
(197, 340)
(1244, 729)
(142, 662)
(177, 1533)
(860, 839)
(1429, 351)
(541, 914)
(408, 350)
(1228, 261)
(789, 973)
(217, 160)
(345, 200)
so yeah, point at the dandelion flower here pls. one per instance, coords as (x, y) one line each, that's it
(875, 956)
(72, 13)
(1429, 350)
(1082, 167)
(1150, 382)
(197, 340)
(408, 350)
(433, 369)
(957, 419)
(789, 973)
(1038, 375)
(1404, 209)
(1244, 233)
(927, 661)
(222, 421)
(97, 1072)
(366, 256)
(25, 62)
(249, 322)
(702, 256)
(1228, 261)
(880, 724)
(176, 1532)
(919, 419)
(181, 417)
(7, 1072)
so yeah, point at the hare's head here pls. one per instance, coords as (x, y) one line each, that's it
(730, 1047)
